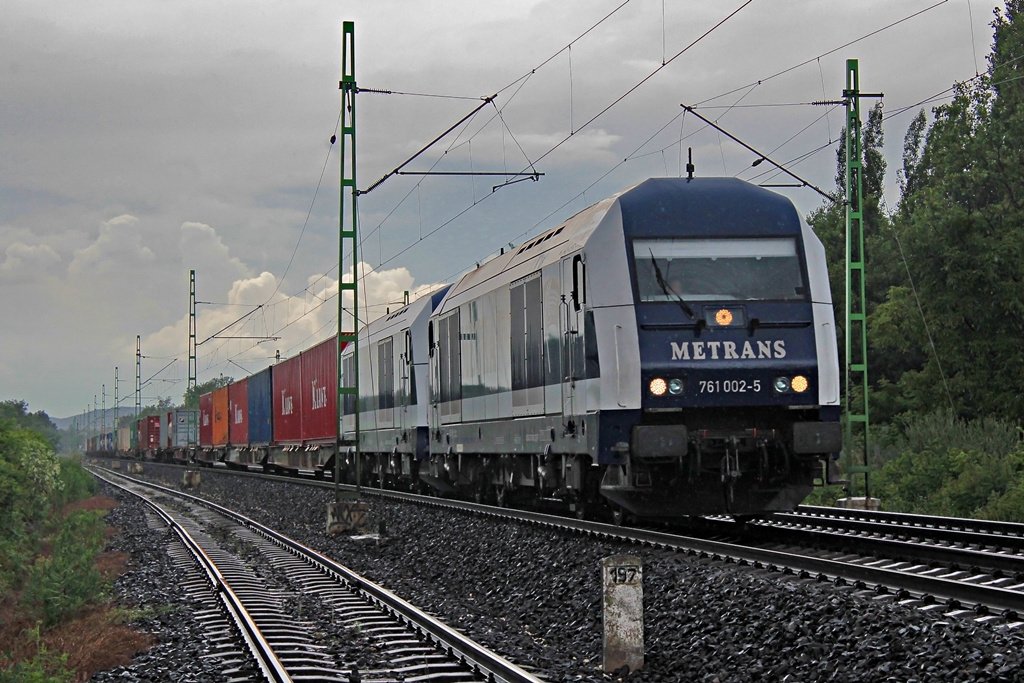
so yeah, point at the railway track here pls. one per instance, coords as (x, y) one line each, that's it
(978, 546)
(250, 578)
(966, 568)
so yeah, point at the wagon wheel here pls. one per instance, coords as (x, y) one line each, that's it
(501, 496)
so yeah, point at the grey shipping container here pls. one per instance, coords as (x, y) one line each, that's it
(124, 438)
(179, 433)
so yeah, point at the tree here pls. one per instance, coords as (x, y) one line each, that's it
(39, 421)
(192, 395)
(29, 476)
(880, 255)
(961, 224)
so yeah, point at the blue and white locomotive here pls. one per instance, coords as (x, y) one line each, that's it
(669, 351)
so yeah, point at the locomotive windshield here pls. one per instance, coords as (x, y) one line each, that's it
(749, 269)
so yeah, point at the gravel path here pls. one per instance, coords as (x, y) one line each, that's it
(533, 595)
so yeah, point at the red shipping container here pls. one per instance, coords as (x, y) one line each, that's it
(220, 416)
(287, 378)
(319, 395)
(238, 413)
(153, 432)
(206, 420)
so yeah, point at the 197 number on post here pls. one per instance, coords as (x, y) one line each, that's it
(624, 574)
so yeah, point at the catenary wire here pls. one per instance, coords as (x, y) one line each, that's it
(521, 81)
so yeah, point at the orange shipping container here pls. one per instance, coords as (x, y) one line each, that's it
(220, 417)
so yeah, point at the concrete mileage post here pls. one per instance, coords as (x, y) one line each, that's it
(622, 578)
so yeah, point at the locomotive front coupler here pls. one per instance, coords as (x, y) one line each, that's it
(742, 440)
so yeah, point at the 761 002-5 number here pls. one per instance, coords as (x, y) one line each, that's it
(728, 386)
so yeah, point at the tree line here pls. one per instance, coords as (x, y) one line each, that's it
(945, 294)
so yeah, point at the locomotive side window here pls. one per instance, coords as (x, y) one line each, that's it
(527, 326)
(749, 269)
(450, 362)
(386, 374)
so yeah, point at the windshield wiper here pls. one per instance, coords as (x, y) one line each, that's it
(668, 291)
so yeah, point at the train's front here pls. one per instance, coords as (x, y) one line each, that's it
(738, 366)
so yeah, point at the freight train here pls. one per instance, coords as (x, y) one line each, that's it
(163, 436)
(667, 352)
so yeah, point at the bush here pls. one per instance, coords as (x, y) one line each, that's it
(1008, 507)
(28, 480)
(45, 667)
(60, 585)
(29, 475)
(949, 467)
(942, 430)
(76, 483)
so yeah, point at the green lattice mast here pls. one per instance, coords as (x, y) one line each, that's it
(348, 386)
(856, 406)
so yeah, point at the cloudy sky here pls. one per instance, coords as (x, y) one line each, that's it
(142, 139)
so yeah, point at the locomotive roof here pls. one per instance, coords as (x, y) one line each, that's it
(653, 207)
(400, 318)
(705, 207)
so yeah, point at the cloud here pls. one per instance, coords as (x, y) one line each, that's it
(23, 262)
(253, 290)
(244, 335)
(195, 136)
(119, 245)
(201, 244)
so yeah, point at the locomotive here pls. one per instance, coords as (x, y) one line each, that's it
(667, 352)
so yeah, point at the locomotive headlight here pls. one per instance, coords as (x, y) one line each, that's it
(800, 384)
(675, 386)
(658, 386)
(781, 384)
(725, 316)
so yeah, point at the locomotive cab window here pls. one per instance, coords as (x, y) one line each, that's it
(748, 269)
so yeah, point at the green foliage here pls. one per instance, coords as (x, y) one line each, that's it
(1008, 507)
(63, 583)
(39, 421)
(825, 495)
(880, 250)
(945, 272)
(76, 483)
(33, 482)
(942, 429)
(162, 407)
(192, 395)
(960, 224)
(49, 558)
(45, 667)
(29, 477)
(946, 466)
